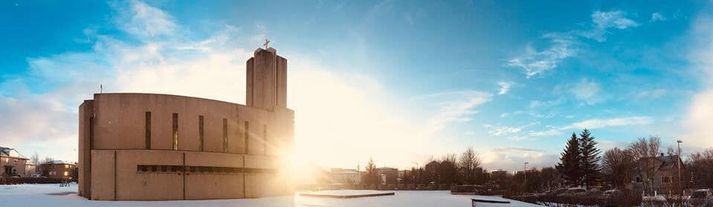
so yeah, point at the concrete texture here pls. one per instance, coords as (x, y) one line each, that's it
(241, 149)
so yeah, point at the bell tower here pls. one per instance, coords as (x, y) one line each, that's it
(266, 80)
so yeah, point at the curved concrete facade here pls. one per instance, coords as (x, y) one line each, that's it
(164, 147)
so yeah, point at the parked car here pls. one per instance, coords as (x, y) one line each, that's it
(612, 192)
(573, 191)
(701, 197)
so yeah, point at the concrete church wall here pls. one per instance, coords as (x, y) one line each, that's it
(136, 146)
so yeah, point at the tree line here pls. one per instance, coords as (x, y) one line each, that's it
(450, 169)
(581, 163)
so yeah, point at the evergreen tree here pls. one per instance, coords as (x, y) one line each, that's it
(590, 158)
(371, 177)
(570, 162)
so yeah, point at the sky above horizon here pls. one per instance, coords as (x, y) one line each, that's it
(401, 82)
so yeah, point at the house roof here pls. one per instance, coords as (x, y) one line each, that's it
(60, 162)
(10, 152)
(667, 161)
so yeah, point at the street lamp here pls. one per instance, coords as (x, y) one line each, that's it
(678, 163)
(525, 172)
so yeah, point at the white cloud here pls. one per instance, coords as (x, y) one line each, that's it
(562, 45)
(587, 91)
(603, 21)
(504, 87)
(544, 104)
(337, 113)
(613, 122)
(651, 94)
(535, 62)
(33, 117)
(552, 132)
(143, 20)
(502, 130)
(699, 114)
(657, 17)
(456, 106)
(612, 19)
(512, 158)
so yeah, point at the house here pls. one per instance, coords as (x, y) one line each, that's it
(388, 175)
(30, 170)
(12, 162)
(58, 169)
(344, 176)
(658, 175)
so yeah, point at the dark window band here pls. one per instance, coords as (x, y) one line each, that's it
(199, 169)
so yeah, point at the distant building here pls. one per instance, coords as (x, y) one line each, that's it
(30, 170)
(12, 162)
(344, 176)
(58, 169)
(388, 175)
(138, 146)
(658, 174)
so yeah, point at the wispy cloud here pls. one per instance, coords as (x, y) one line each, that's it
(504, 87)
(558, 131)
(143, 20)
(535, 62)
(457, 106)
(603, 21)
(651, 94)
(538, 104)
(657, 17)
(587, 91)
(563, 45)
(613, 122)
(551, 132)
(502, 130)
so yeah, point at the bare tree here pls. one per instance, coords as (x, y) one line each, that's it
(35, 159)
(670, 151)
(42, 166)
(450, 157)
(617, 166)
(447, 170)
(698, 167)
(645, 147)
(644, 151)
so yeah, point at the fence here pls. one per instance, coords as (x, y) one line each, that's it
(26, 180)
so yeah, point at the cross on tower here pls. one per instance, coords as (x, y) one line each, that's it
(267, 42)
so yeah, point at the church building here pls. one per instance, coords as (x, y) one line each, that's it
(138, 146)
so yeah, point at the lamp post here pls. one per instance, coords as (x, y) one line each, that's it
(678, 164)
(525, 173)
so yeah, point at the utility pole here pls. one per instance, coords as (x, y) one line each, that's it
(678, 163)
(525, 172)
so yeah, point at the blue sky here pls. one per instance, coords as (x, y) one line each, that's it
(418, 78)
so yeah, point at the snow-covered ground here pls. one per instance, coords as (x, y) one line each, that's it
(53, 195)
